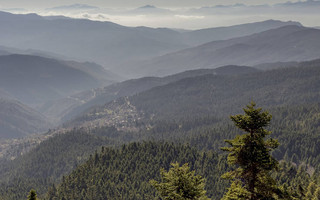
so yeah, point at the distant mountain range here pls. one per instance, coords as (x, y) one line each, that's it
(287, 7)
(4, 50)
(34, 80)
(308, 3)
(284, 44)
(223, 33)
(107, 43)
(103, 42)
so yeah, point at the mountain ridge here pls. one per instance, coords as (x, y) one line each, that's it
(34, 80)
(131, 87)
(285, 44)
(18, 120)
(210, 94)
(110, 44)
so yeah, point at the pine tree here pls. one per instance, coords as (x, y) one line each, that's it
(32, 195)
(179, 183)
(250, 153)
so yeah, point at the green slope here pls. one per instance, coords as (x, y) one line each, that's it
(48, 162)
(125, 173)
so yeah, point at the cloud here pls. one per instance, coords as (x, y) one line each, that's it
(190, 16)
(96, 17)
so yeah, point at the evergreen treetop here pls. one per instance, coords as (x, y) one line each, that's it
(179, 183)
(250, 154)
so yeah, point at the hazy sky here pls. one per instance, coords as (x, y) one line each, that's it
(184, 14)
(129, 3)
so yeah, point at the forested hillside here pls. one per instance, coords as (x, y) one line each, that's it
(68, 108)
(296, 128)
(290, 94)
(125, 173)
(18, 120)
(220, 95)
(48, 162)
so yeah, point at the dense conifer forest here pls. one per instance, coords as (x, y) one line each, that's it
(127, 168)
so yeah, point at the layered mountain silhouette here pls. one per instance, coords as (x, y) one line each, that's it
(108, 43)
(104, 42)
(222, 33)
(4, 50)
(34, 80)
(284, 44)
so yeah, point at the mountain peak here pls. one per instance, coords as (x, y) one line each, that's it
(272, 21)
(5, 16)
(147, 7)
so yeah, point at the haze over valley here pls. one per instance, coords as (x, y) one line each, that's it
(96, 98)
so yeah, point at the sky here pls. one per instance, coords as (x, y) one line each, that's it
(29, 4)
(180, 14)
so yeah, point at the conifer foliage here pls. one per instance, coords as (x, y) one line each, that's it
(250, 154)
(32, 195)
(180, 183)
(124, 173)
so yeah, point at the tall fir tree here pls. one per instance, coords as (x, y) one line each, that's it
(250, 154)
